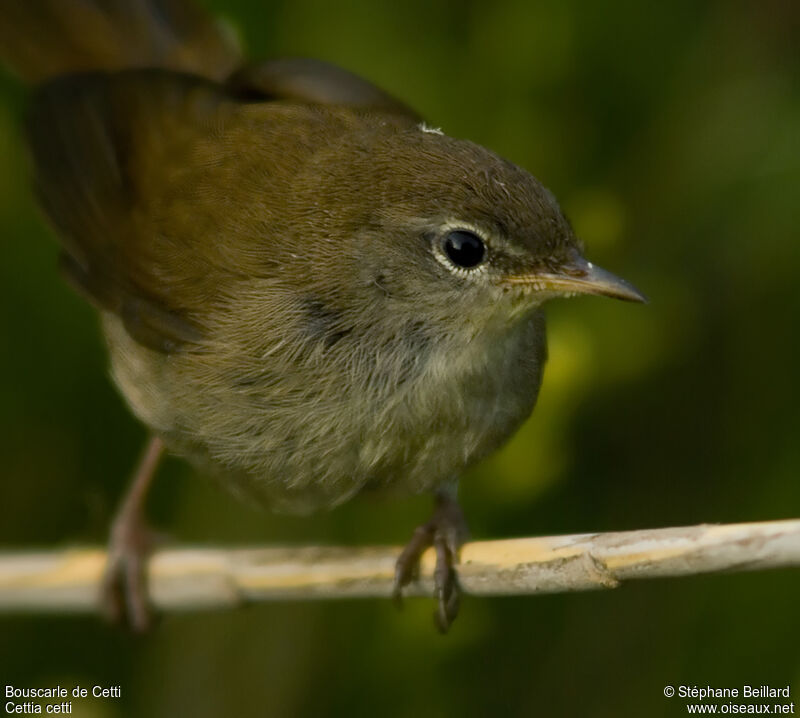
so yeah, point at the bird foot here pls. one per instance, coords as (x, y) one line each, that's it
(446, 532)
(124, 594)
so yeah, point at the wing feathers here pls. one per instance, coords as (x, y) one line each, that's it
(92, 138)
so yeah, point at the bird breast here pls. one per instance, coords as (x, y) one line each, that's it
(301, 424)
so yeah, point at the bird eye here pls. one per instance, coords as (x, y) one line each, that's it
(463, 248)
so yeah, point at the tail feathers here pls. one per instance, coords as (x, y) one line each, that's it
(40, 39)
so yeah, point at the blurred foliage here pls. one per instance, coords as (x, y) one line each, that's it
(669, 131)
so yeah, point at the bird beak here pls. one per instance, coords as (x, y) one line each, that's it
(581, 277)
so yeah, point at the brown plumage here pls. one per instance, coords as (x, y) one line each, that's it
(304, 290)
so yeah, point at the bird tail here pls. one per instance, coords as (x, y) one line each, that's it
(41, 39)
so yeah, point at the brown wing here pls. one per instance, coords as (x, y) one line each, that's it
(94, 139)
(166, 190)
(41, 39)
(314, 82)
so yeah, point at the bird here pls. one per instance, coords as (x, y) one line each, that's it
(305, 289)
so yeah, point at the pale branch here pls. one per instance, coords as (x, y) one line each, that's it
(67, 580)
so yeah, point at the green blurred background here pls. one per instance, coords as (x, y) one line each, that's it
(669, 131)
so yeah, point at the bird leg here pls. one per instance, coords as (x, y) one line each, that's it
(446, 531)
(124, 588)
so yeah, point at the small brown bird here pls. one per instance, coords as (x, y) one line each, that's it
(305, 290)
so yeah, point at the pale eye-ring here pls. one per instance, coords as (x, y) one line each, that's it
(464, 248)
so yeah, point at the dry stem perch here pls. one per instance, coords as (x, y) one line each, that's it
(189, 578)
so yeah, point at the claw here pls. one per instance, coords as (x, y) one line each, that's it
(407, 566)
(446, 586)
(446, 532)
(123, 594)
(124, 588)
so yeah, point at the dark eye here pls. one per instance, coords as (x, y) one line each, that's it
(464, 249)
